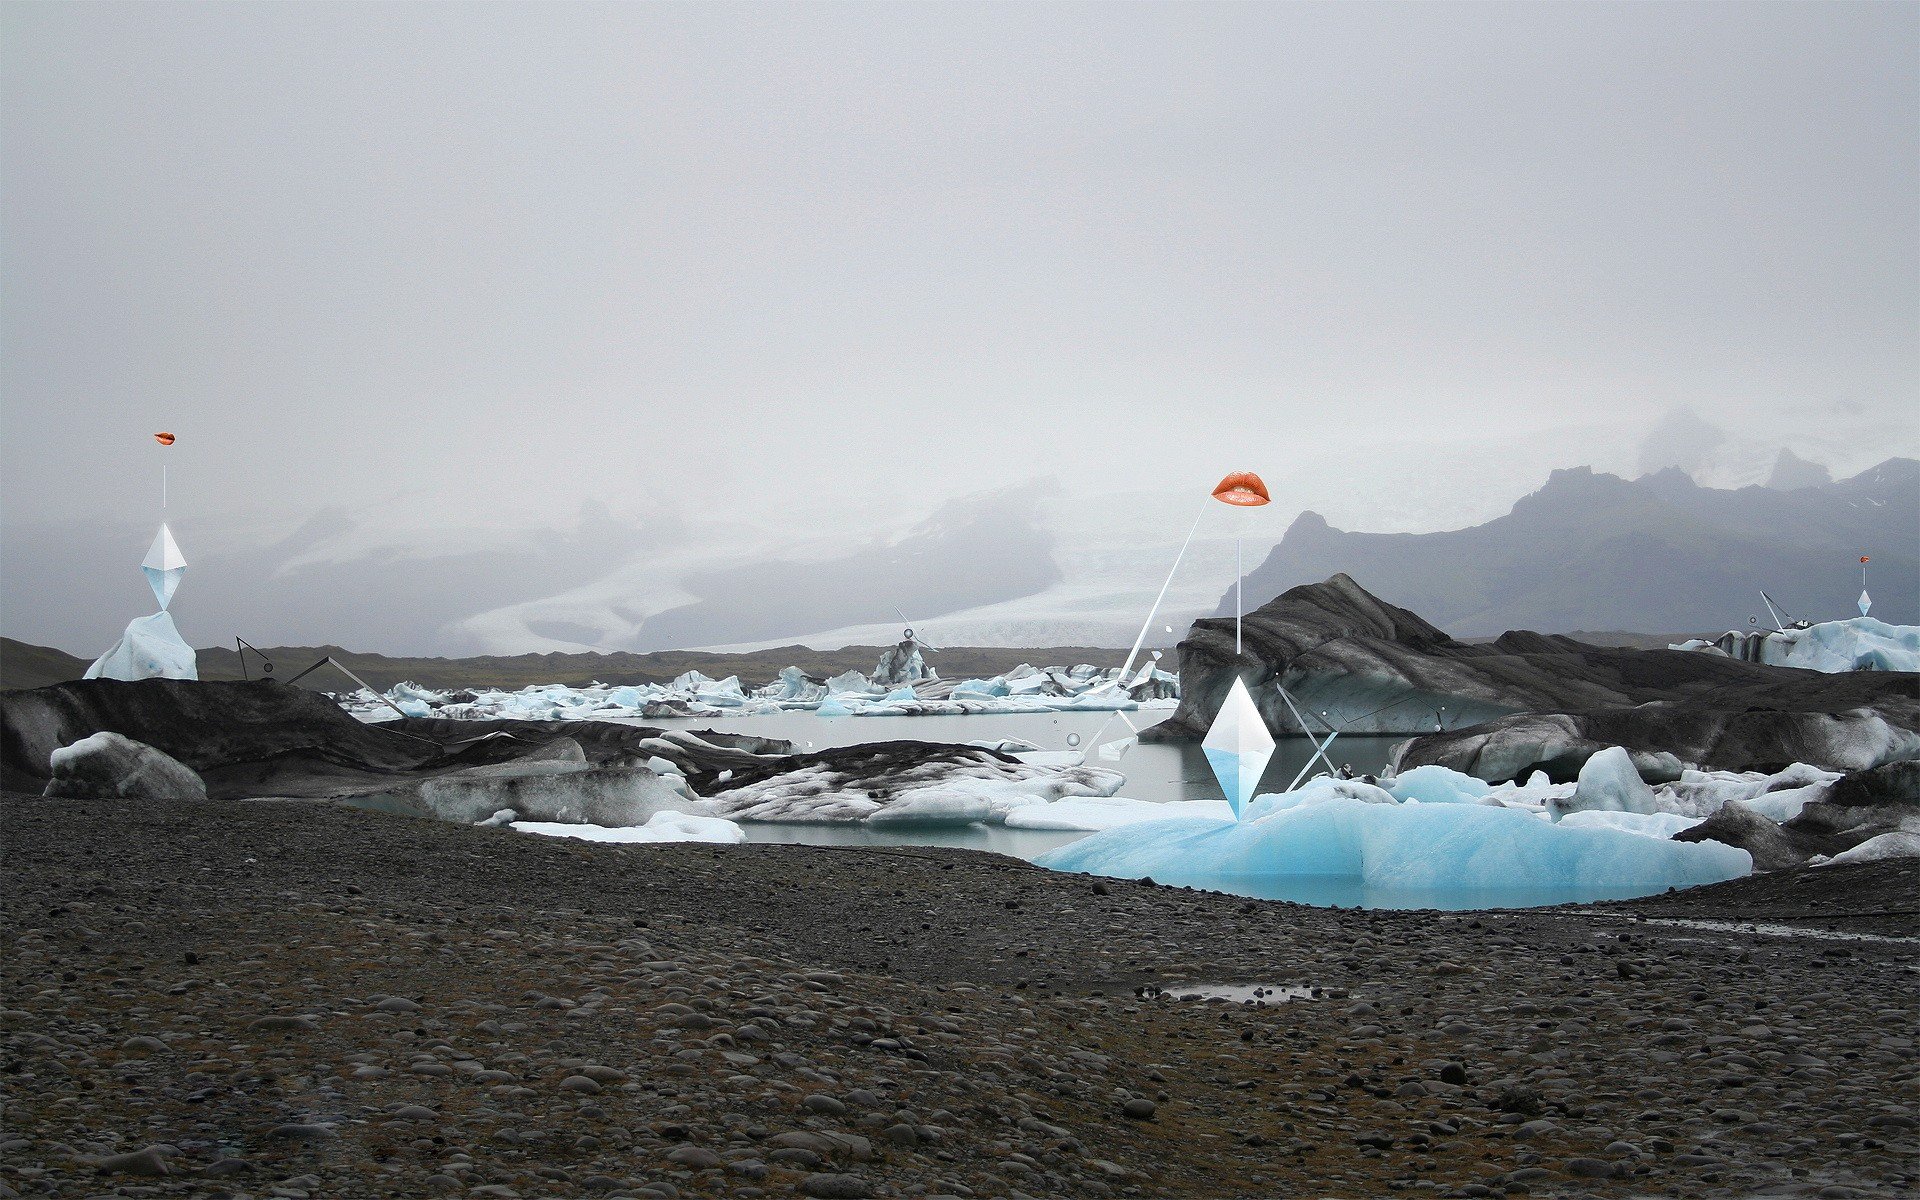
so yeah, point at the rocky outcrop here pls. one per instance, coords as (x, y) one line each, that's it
(111, 767)
(1772, 847)
(269, 739)
(1716, 733)
(1594, 551)
(1529, 701)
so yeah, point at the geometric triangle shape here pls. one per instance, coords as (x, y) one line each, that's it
(164, 554)
(163, 583)
(1238, 747)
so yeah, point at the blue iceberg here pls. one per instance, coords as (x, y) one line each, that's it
(1414, 848)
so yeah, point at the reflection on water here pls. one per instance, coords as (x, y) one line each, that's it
(1162, 771)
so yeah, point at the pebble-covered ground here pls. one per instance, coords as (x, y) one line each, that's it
(291, 1000)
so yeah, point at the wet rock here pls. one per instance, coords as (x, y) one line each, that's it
(145, 1161)
(835, 1187)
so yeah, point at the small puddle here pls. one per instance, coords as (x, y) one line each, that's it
(1259, 995)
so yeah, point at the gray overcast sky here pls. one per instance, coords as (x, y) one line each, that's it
(818, 268)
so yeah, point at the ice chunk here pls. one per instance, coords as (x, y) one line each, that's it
(1401, 846)
(1893, 844)
(661, 827)
(1438, 785)
(1609, 783)
(151, 648)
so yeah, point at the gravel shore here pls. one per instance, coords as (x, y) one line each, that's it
(272, 999)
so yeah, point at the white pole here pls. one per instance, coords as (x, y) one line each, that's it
(1137, 642)
(1239, 578)
(163, 484)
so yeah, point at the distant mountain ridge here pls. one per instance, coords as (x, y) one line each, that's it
(28, 666)
(1595, 551)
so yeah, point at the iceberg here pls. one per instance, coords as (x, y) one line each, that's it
(1400, 847)
(1859, 643)
(151, 648)
(662, 827)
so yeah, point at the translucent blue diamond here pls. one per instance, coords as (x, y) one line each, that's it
(1238, 747)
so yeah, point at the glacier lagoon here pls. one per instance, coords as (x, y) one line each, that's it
(1161, 772)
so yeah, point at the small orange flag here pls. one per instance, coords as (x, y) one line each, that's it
(165, 439)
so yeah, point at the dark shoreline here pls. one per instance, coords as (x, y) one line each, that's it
(209, 980)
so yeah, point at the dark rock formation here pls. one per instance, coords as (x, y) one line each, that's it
(1896, 783)
(111, 767)
(1772, 847)
(1594, 551)
(1738, 730)
(269, 739)
(1529, 701)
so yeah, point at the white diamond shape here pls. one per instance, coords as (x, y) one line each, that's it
(1866, 602)
(1238, 746)
(164, 554)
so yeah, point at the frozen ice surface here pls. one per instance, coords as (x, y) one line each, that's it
(661, 827)
(1400, 846)
(151, 648)
(1656, 825)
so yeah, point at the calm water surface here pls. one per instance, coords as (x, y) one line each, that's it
(1168, 773)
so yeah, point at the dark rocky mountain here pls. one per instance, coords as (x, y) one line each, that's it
(1594, 551)
(1529, 701)
(28, 666)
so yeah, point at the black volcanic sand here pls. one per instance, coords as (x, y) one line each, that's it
(292, 1000)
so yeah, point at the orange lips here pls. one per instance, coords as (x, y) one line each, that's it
(165, 439)
(1243, 488)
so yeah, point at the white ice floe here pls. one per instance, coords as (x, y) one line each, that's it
(1609, 782)
(1855, 644)
(661, 827)
(1025, 689)
(903, 789)
(1893, 844)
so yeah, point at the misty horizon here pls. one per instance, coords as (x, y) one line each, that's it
(518, 333)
